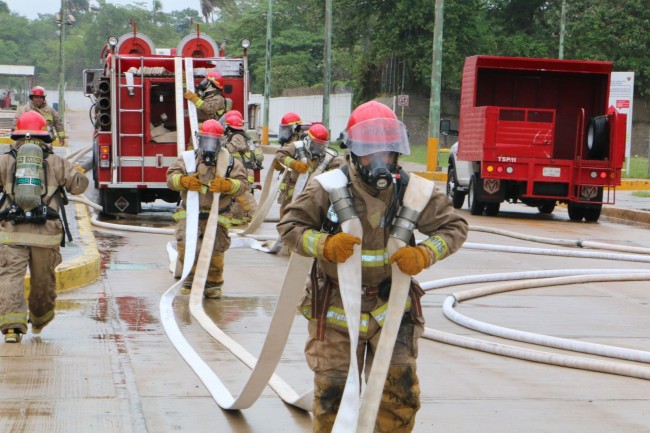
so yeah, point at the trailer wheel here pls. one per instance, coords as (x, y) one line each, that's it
(576, 212)
(592, 212)
(598, 138)
(546, 208)
(457, 197)
(492, 209)
(475, 206)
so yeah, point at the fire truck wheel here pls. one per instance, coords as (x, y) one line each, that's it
(457, 197)
(598, 137)
(475, 206)
(492, 209)
(546, 208)
(576, 212)
(592, 212)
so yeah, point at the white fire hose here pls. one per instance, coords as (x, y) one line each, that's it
(293, 286)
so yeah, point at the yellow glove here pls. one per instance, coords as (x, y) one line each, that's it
(79, 168)
(243, 202)
(191, 182)
(278, 166)
(220, 185)
(191, 96)
(411, 260)
(299, 166)
(339, 247)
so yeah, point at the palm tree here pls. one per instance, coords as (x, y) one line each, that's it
(208, 7)
(73, 6)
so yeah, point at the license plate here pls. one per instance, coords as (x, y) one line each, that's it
(551, 171)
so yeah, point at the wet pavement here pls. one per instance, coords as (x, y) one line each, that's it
(106, 365)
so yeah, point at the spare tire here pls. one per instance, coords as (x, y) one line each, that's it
(598, 138)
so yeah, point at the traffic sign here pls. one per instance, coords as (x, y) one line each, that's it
(403, 100)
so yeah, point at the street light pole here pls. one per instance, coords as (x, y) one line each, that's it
(434, 104)
(267, 76)
(327, 70)
(64, 15)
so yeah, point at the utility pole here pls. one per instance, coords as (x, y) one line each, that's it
(64, 19)
(562, 30)
(327, 61)
(434, 103)
(267, 76)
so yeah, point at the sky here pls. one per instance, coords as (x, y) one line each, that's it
(31, 8)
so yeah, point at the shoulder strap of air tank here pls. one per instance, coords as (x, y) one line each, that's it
(231, 162)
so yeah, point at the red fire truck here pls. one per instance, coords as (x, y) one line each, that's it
(536, 131)
(141, 120)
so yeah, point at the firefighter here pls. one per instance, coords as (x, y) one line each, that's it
(207, 182)
(32, 180)
(240, 146)
(290, 128)
(304, 156)
(38, 103)
(310, 227)
(210, 102)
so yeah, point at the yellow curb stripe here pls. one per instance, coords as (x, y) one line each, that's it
(84, 269)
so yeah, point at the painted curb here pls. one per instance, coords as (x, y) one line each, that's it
(626, 184)
(81, 270)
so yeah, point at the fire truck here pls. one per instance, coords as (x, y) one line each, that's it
(141, 120)
(539, 132)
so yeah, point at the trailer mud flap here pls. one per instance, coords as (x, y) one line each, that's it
(491, 190)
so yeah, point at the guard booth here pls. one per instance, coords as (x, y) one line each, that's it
(15, 83)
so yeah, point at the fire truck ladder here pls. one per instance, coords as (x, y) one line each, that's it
(130, 85)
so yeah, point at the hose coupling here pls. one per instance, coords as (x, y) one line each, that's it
(342, 202)
(404, 224)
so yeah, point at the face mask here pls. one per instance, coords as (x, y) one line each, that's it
(202, 85)
(209, 147)
(284, 134)
(315, 150)
(377, 174)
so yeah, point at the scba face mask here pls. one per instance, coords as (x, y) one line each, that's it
(210, 147)
(378, 173)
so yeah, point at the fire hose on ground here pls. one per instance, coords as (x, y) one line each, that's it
(268, 361)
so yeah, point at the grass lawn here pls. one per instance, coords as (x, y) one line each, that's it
(638, 168)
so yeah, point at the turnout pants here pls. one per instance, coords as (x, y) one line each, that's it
(221, 244)
(330, 359)
(14, 261)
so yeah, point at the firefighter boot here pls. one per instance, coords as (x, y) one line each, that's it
(328, 392)
(400, 400)
(215, 277)
(12, 336)
(187, 284)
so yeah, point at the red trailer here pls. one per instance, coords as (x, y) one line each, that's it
(536, 131)
(140, 118)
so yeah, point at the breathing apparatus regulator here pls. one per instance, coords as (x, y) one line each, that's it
(210, 136)
(374, 131)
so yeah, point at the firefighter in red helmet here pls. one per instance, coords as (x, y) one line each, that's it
(290, 128)
(209, 101)
(242, 147)
(206, 181)
(311, 227)
(309, 155)
(38, 103)
(33, 181)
